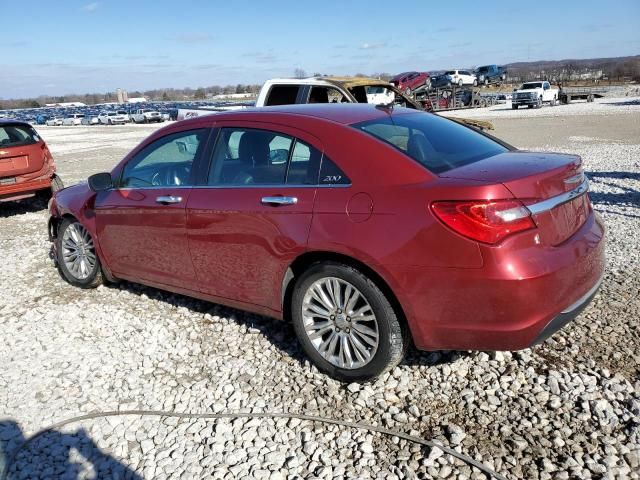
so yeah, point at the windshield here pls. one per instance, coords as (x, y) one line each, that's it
(531, 86)
(437, 143)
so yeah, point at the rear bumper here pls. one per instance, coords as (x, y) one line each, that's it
(24, 188)
(521, 295)
(567, 315)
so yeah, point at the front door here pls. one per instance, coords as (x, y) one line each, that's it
(252, 217)
(141, 222)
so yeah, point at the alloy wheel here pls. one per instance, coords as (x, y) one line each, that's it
(340, 323)
(78, 251)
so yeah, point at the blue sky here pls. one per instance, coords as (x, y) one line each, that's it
(76, 46)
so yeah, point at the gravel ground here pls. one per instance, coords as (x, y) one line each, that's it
(567, 409)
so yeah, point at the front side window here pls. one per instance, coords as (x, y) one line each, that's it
(166, 162)
(436, 143)
(17, 136)
(260, 157)
(326, 95)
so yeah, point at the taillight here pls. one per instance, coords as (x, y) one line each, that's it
(487, 221)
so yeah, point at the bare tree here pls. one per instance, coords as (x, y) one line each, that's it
(299, 73)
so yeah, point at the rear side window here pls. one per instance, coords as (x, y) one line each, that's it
(437, 143)
(246, 156)
(17, 136)
(282, 95)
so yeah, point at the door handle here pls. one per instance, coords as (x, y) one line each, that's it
(277, 201)
(168, 199)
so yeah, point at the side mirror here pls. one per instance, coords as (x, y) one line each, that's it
(100, 182)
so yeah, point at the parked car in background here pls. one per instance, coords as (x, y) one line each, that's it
(534, 94)
(125, 113)
(145, 115)
(26, 164)
(54, 122)
(286, 212)
(490, 74)
(407, 82)
(287, 91)
(113, 118)
(90, 120)
(378, 95)
(461, 77)
(74, 119)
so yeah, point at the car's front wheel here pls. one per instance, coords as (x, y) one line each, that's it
(346, 324)
(76, 255)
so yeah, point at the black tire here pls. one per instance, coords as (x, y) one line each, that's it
(393, 334)
(514, 107)
(94, 278)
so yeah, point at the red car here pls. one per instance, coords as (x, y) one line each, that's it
(369, 227)
(409, 81)
(26, 165)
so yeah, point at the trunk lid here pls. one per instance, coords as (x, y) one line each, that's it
(533, 178)
(15, 161)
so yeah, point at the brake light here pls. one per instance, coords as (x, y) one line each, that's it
(487, 221)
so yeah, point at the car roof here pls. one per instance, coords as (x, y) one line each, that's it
(11, 121)
(343, 113)
(345, 82)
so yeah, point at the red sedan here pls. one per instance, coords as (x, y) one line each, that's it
(367, 227)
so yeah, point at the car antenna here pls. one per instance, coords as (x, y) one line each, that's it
(387, 107)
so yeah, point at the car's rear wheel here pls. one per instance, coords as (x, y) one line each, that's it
(514, 107)
(76, 255)
(346, 324)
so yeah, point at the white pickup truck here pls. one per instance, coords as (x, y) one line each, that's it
(145, 115)
(534, 94)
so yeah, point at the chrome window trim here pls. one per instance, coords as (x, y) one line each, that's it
(272, 185)
(558, 200)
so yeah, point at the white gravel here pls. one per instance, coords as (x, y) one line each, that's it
(567, 409)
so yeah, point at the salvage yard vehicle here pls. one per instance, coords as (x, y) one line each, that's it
(407, 82)
(74, 119)
(490, 74)
(113, 118)
(54, 122)
(26, 164)
(288, 91)
(461, 77)
(146, 115)
(286, 212)
(534, 94)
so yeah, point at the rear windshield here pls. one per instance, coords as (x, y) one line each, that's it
(17, 136)
(437, 143)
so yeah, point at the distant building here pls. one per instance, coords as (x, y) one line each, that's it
(66, 104)
(136, 100)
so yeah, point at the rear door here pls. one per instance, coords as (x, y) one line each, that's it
(251, 214)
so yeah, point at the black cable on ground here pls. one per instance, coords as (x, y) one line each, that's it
(236, 415)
